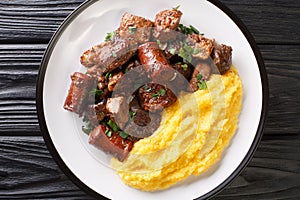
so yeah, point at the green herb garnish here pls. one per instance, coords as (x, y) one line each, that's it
(123, 134)
(185, 67)
(108, 75)
(132, 114)
(172, 51)
(87, 128)
(96, 92)
(186, 52)
(113, 125)
(201, 83)
(177, 7)
(194, 29)
(158, 42)
(108, 133)
(161, 92)
(110, 36)
(147, 88)
(131, 29)
(188, 30)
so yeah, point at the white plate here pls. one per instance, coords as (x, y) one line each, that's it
(88, 26)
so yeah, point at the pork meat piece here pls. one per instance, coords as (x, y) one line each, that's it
(143, 124)
(135, 27)
(222, 57)
(96, 113)
(112, 81)
(109, 55)
(155, 97)
(201, 72)
(78, 94)
(114, 145)
(165, 25)
(202, 46)
(118, 110)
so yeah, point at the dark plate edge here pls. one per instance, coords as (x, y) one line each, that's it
(265, 100)
(72, 176)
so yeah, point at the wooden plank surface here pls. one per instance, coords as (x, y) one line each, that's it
(35, 21)
(27, 170)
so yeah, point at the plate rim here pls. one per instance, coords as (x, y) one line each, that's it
(59, 161)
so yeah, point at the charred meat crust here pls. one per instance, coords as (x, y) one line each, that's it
(135, 27)
(166, 22)
(109, 55)
(79, 92)
(155, 97)
(115, 145)
(222, 57)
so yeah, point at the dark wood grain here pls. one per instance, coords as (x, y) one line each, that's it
(35, 21)
(27, 170)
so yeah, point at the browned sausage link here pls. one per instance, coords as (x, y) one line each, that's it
(155, 62)
(78, 92)
(114, 145)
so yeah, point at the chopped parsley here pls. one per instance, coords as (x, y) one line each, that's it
(147, 88)
(177, 7)
(88, 127)
(131, 29)
(108, 133)
(185, 67)
(132, 114)
(96, 92)
(188, 30)
(123, 134)
(186, 52)
(108, 75)
(201, 83)
(172, 51)
(110, 36)
(161, 92)
(113, 125)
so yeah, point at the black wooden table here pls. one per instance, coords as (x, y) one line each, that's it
(27, 170)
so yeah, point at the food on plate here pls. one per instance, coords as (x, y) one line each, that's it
(159, 97)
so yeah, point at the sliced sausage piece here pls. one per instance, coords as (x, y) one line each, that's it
(79, 92)
(135, 27)
(96, 113)
(222, 57)
(155, 62)
(165, 24)
(201, 73)
(109, 55)
(155, 97)
(114, 145)
(202, 46)
(118, 109)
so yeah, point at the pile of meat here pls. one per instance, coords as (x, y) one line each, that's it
(164, 57)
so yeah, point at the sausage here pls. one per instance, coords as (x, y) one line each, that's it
(79, 91)
(155, 62)
(114, 145)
